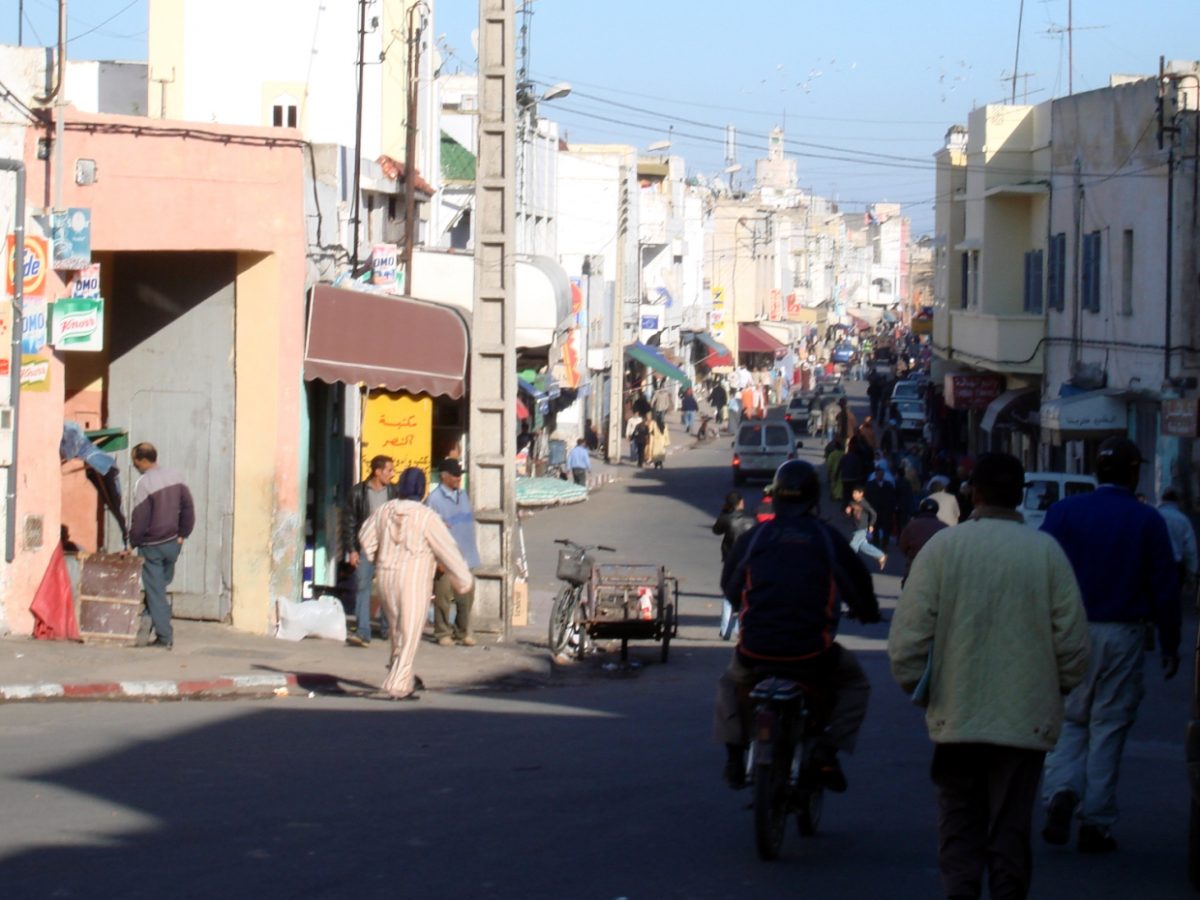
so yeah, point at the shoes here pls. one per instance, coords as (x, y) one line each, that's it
(829, 770)
(468, 641)
(1059, 814)
(445, 641)
(1096, 839)
(161, 644)
(405, 697)
(418, 684)
(734, 772)
(353, 640)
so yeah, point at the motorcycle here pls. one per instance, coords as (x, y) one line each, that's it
(780, 762)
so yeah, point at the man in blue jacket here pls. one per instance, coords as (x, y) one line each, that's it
(788, 577)
(1121, 553)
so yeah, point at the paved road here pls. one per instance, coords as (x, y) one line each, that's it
(603, 785)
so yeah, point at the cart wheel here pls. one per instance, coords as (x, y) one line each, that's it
(668, 628)
(624, 649)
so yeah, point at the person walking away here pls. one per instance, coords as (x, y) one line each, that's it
(407, 541)
(989, 596)
(1120, 550)
(916, 534)
(661, 400)
(718, 398)
(781, 576)
(732, 522)
(638, 441)
(854, 466)
(365, 498)
(579, 462)
(451, 502)
(690, 407)
(948, 510)
(631, 430)
(833, 463)
(862, 517)
(1183, 538)
(875, 385)
(880, 493)
(163, 518)
(657, 441)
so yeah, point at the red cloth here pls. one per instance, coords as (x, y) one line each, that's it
(53, 606)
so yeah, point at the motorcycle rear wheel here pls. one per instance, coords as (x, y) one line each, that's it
(770, 804)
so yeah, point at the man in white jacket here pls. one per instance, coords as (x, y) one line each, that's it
(992, 608)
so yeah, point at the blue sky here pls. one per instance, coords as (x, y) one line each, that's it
(865, 90)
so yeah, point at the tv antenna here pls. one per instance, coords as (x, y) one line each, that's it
(1069, 31)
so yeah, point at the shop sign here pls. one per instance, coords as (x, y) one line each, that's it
(86, 282)
(72, 233)
(1180, 417)
(649, 323)
(399, 426)
(570, 359)
(35, 374)
(77, 323)
(34, 265)
(795, 309)
(33, 325)
(717, 322)
(922, 325)
(972, 390)
(383, 264)
(773, 307)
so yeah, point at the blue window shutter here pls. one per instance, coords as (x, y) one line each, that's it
(1085, 271)
(1035, 294)
(1027, 299)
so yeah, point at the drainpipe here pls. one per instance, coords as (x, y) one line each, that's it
(14, 373)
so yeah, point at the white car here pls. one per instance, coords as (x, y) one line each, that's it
(761, 447)
(1043, 489)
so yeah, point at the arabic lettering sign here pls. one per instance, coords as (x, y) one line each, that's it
(1181, 417)
(398, 426)
(34, 265)
(972, 391)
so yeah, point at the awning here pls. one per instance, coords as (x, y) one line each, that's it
(397, 343)
(1093, 414)
(752, 339)
(718, 354)
(1011, 404)
(650, 358)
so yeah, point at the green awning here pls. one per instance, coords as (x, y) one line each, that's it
(650, 358)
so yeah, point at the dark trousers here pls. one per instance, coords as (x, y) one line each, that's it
(158, 571)
(985, 796)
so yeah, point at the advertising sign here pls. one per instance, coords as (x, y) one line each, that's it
(1180, 417)
(77, 323)
(649, 323)
(34, 266)
(577, 301)
(33, 325)
(35, 374)
(774, 312)
(972, 391)
(398, 426)
(718, 323)
(795, 309)
(570, 359)
(86, 282)
(383, 264)
(72, 233)
(6, 326)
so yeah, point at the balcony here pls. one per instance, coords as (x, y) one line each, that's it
(999, 343)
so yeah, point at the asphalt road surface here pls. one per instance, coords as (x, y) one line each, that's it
(603, 784)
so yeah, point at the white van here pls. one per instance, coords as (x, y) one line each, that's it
(1044, 488)
(761, 447)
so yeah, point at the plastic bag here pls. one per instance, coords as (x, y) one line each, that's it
(324, 617)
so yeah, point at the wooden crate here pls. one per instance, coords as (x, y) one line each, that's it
(110, 598)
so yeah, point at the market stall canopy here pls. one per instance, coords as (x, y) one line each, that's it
(718, 354)
(650, 358)
(1092, 414)
(1015, 405)
(380, 340)
(752, 339)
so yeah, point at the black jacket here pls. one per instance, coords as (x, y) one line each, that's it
(358, 510)
(789, 578)
(731, 526)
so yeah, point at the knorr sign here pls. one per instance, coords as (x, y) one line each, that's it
(77, 323)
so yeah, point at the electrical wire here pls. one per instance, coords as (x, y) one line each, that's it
(97, 27)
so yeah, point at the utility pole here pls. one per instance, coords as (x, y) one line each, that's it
(493, 378)
(415, 34)
(616, 344)
(358, 116)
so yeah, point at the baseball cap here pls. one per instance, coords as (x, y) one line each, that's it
(451, 467)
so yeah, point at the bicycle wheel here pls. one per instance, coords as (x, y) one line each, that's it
(770, 803)
(562, 620)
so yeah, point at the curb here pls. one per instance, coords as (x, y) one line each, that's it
(227, 686)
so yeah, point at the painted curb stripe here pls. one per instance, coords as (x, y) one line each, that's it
(149, 689)
(31, 691)
(111, 689)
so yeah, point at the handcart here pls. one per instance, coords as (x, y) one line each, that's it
(632, 602)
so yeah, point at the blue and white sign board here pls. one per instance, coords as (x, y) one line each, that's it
(33, 325)
(649, 323)
(72, 238)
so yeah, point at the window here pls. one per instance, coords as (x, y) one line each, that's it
(1089, 280)
(973, 299)
(1056, 275)
(283, 114)
(964, 281)
(1033, 281)
(1127, 272)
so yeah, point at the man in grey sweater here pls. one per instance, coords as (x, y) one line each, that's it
(163, 516)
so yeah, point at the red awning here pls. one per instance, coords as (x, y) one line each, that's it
(379, 340)
(752, 339)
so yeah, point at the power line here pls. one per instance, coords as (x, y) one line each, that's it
(97, 27)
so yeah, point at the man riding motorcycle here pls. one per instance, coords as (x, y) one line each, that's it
(788, 578)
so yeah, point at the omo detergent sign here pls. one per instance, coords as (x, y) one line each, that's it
(34, 265)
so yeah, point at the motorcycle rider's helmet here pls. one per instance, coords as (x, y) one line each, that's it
(796, 485)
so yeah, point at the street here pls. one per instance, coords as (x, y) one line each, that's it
(604, 784)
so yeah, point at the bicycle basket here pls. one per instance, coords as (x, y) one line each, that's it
(574, 566)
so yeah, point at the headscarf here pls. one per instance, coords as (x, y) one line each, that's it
(412, 484)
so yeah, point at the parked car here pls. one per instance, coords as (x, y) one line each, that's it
(1043, 489)
(826, 392)
(762, 447)
(843, 354)
(912, 415)
(908, 389)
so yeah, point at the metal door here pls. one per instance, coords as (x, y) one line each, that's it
(171, 383)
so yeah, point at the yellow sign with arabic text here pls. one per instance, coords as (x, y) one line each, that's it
(398, 426)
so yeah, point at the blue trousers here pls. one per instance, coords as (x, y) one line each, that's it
(158, 571)
(860, 543)
(1099, 714)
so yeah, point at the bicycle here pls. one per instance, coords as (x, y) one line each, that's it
(567, 615)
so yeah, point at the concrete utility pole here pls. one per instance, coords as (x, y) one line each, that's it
(616, 344)
(493, 380)
(417, 18)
